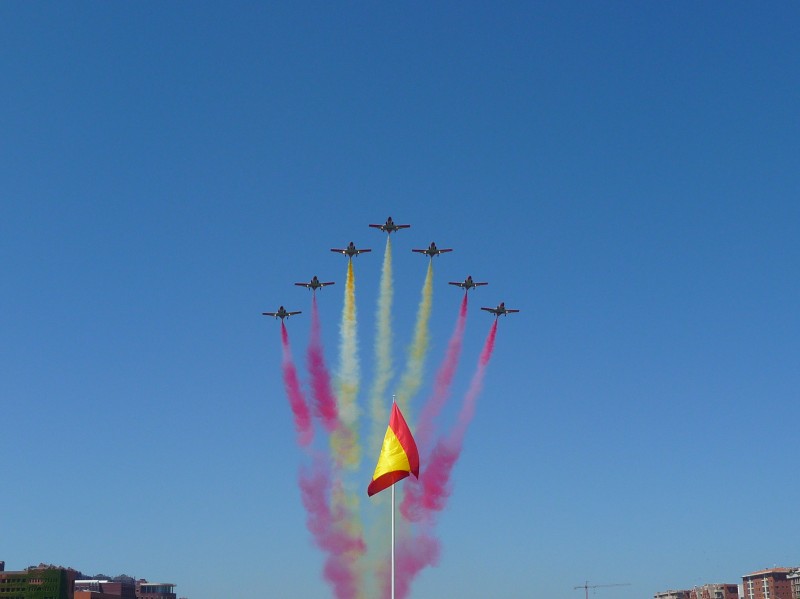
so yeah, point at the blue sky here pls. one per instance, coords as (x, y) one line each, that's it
(624, 173)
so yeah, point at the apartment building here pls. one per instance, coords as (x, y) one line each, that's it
(794, 582)
(715, 591)
(773, 583)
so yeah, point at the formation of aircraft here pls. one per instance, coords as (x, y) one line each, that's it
(500, 310)
(432, 250)
(314, 284)
(389, 226)
(468, 284)
(350, 251)
(281, 313)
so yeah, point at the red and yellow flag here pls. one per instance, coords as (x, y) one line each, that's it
(399, 456)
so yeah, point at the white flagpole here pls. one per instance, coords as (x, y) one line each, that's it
(392, 541)
(393, 401)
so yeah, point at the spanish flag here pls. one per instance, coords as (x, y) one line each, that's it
(399, 456)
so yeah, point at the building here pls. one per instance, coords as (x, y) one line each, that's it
(794, 581)
(154, 590)
(87, 594)
(37, 582)
(672, 595)
(768, 584)
(54, 582)
(715, 591)
(123, 588)
(103, 589)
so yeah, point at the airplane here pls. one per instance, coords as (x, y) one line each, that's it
(350, 251)
(432, 250)
(500, 310)
(468, 284)
(389, 226)
(281, 313)
(314, 284)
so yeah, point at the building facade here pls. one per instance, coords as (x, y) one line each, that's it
(155, 590)
(768, 584)
(672, 595)
(84, 594)
(715, 591)
(101, 589)
(43, 582)
(794, 582)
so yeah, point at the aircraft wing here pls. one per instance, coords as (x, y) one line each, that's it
(402, 226)
(511, 311)
(269, 314)
(420, 251)
(457, 284)
(381, 227)
(479, 284)
(338, 250)
(306, 285)
(328, 283)
(293, 313)
(492, 310)
(362, 251)
(447, 250)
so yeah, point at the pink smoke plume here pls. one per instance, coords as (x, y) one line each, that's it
(297, 401)
(430, 493)
(329, 526)
(324, 398)
(475, 387)
(444, 378)
(411, 556)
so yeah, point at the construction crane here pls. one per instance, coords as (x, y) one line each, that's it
(586, 586)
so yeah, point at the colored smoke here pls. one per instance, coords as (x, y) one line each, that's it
(475, 387)
(349, 374)
(322, 392)
(297, 401)
(383, 353)
(411, 556)
(329, 523)
(330, 498)
(349, 371)
(412, 377)
(430, 493)
(444, 379)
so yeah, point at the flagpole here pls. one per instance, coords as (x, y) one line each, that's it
(392, 541)
(393, 402)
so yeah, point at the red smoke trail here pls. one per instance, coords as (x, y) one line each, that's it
(302, 416)
(324, 398)
(328, 526)
(430, 493)
(411, 556)
(444, 378)
(475, 387)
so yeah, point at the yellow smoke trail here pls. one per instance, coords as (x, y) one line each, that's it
(344, 441)
(345, 504)
(379, 403)
(412, 377)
